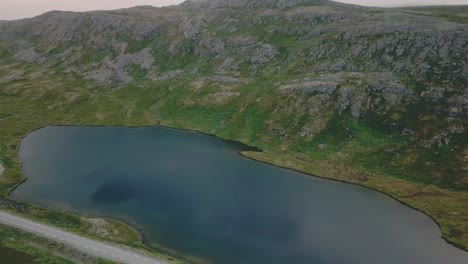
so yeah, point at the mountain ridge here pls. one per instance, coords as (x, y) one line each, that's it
(331, 50)
(247, 3)
(363, 91)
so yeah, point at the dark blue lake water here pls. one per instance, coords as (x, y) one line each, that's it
(196, 195)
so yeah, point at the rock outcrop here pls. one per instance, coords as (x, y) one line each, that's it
(311, 63)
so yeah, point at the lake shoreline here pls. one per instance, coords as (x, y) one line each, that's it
(243, 151)
(145, 242)
(363, 186)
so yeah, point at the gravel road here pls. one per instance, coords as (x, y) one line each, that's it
(97, 249)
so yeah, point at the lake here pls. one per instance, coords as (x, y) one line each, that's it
(196, 195)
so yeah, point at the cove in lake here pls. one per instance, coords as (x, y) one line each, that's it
(196, 195)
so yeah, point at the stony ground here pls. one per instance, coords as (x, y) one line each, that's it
(372, 96)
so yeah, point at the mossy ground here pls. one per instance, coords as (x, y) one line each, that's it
(356, 152)
(451, 13)
(18, 118)
(19, 247)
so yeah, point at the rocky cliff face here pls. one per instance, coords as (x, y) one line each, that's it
(320, 37)
(397, 73)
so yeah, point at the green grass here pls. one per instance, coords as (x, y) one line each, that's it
(20, 247)
(448, 208)
(38, 113)
(457, 14)
(295, 130)
(10, 255)
(260, 116)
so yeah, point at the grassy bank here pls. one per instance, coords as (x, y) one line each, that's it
(446, 208)
(348, 150)
(20, 247)
(19, 115)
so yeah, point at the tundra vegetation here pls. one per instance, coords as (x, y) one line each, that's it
(370, 96)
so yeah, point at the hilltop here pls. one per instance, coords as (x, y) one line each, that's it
(373, 96)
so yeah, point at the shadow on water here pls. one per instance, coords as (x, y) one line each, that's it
(195, 195)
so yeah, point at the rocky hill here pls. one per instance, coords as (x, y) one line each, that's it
(331, 70)
(364, 95)
(385, 90)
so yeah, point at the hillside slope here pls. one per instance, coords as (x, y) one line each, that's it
(357, 92)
